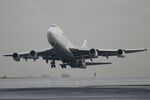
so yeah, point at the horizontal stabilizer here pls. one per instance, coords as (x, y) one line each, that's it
(97, 63)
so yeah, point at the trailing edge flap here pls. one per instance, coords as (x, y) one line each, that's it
(97, 63)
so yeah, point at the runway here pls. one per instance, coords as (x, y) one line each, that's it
(74, 89)
(78, 93)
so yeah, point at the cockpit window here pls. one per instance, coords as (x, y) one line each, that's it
(53, 25)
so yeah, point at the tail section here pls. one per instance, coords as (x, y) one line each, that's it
(97, 63)
(84, 44)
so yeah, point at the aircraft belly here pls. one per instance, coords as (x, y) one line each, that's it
(64, 53)
(61, 47)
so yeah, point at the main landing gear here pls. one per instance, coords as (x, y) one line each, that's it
(53, 64)
(63, 66)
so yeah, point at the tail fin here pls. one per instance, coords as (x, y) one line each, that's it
(84, 44)
(97, 63)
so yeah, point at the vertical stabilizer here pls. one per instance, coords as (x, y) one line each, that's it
(84, 44)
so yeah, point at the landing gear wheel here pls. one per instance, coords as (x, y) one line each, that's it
(47, 61)
(53, 62)
(63, 66)
(53, 66)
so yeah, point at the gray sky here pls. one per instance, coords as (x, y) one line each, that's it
(103, 23)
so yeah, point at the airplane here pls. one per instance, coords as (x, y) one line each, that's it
(63, 50)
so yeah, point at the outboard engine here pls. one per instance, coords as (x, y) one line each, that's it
(93, 53)
(16, 57)
(121, 53)
(33, 54)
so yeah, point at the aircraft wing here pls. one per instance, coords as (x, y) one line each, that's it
(93, 53)
(46, 55)
(119, 52)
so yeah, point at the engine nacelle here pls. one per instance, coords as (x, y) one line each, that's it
(121, 53)
(33, 54)
(16, 57)
(94, 53)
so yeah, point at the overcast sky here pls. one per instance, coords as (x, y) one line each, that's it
(103, 23)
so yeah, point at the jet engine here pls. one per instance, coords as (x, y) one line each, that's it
(33, 54)
(16, 57)
(121, 53)
(93, 53)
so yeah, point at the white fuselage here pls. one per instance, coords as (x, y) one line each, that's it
(60, 43)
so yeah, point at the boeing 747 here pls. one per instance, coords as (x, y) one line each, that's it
(63, 50)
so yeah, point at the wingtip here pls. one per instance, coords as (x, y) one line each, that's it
(7, 55)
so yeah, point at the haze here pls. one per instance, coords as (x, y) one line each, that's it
(105, 24)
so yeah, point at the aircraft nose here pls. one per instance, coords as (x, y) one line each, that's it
(50, 28)
(53, 25)
(54, 30)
